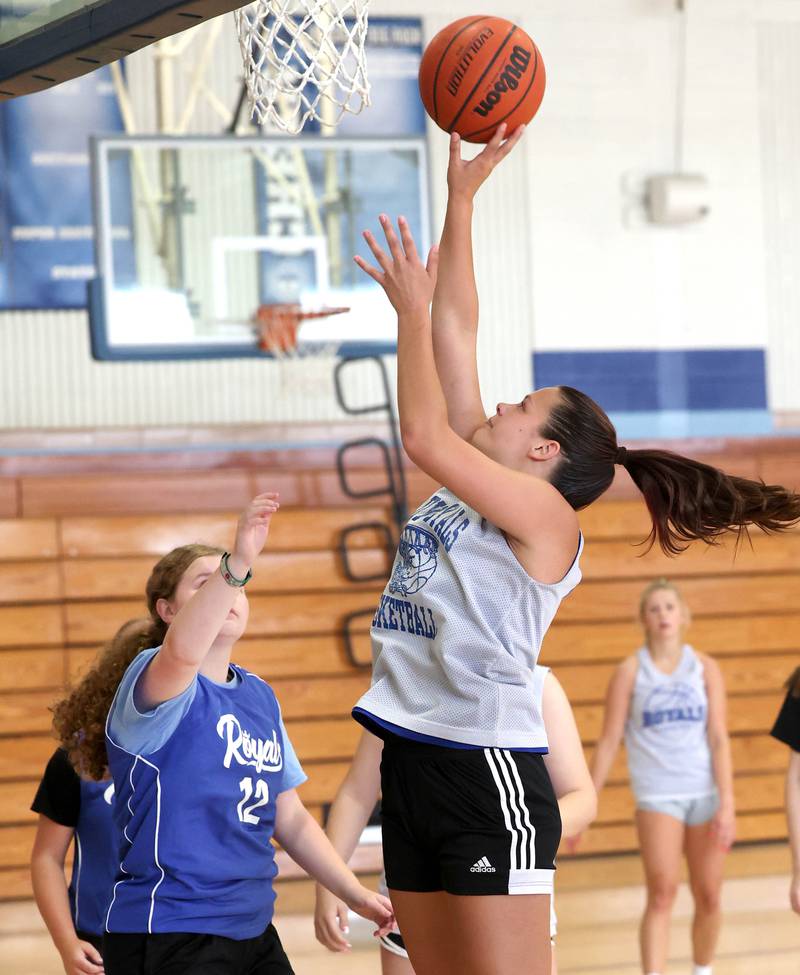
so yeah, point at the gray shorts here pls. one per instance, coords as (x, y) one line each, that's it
(691, 812)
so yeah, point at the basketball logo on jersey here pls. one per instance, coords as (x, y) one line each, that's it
(416, 561)
(673, 710)
(247, 749)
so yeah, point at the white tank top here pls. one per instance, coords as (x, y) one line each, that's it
(458, 631)
(666, 734)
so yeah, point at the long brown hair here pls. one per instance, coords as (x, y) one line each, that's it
(79, 719)
(687, 500)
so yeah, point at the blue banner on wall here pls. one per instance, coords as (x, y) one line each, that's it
(394, 49)
(46, 226)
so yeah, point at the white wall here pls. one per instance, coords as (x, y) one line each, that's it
(558, 267)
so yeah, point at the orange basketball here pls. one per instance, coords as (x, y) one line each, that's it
(478, 72)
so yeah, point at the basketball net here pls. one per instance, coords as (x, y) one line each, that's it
(304, 59)
(301, 369)
(277, 326)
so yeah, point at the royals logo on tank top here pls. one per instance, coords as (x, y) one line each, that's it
(197, 816)
(458, 630)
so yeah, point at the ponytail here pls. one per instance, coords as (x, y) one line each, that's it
(79, 719)
(690, 501)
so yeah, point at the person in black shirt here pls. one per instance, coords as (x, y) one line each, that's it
(71, 808)
(787, 730)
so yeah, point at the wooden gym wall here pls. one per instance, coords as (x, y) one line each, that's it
(78, 536)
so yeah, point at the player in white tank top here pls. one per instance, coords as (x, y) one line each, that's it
(669, 702)
(525, 471)
(357, 795)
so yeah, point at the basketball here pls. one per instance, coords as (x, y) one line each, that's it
(478, 72)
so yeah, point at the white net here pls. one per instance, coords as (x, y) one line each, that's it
(304, 59)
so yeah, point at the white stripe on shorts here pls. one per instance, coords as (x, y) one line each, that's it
(525, 812)
(515, 812)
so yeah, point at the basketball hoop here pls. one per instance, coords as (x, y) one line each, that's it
(277, 327)
(304, 59)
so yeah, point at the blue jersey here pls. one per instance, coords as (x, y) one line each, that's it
(85, 807)
(197, 813)
(94, 866)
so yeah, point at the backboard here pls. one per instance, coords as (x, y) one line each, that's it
(45, 42)
(194, 233)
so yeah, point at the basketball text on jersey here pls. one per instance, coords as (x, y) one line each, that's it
(399, 614)
(446, 521)
(264, 756)
(509, 78)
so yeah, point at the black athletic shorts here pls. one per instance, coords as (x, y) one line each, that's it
(467, 821)
(96, 940)
(194, 954)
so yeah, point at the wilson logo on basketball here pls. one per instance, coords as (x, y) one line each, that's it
(509, 78)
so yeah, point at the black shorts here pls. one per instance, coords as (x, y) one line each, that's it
(467, 821)
(194, 954)
(96, 940)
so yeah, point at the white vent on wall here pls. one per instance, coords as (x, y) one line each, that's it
(674, 199)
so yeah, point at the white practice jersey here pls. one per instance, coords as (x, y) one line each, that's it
(666, 734)
(458, 631)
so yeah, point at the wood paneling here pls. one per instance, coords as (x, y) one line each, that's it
(25, 757)
(292, 530)
(73, 570)
(29, 582)
(313, 571)
(716, 635)
(22, 670)
(28, 538)
(125, 493)
(9, 498)
(31, 626)
(293, 614)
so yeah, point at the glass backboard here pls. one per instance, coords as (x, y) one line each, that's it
(193, 234)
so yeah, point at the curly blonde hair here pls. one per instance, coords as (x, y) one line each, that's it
(79, 719)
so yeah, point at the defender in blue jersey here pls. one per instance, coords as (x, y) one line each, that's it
(205, 776)
(74, 809)
(480, 571)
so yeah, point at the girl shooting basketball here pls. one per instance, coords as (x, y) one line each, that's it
(205, 776)
(355, 800)
(482, 567)
(669, 701)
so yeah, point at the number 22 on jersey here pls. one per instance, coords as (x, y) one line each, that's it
(261, 793)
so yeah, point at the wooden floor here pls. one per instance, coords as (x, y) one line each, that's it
(597, 926)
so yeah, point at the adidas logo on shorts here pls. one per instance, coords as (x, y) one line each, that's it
(482, 866)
